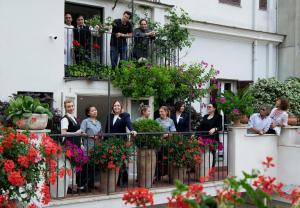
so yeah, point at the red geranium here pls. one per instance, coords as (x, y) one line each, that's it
(22, 138)
(46, 198)
(23, 161)
(96, 46)
(138, 197)
(8, 165)
(76, 43)
(16, 179)
(111, 165)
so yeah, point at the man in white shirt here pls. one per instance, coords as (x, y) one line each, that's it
(259, 123)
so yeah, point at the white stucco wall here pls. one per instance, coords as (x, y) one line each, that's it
(247, 15)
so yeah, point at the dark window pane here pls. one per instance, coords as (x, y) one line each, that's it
(263, 4)
(231, 2)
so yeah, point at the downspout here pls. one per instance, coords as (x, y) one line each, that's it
(277, 47)
(254, 44)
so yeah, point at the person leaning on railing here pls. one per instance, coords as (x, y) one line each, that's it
(92, 128)
(259, 123)
(142, 37)
(121, 30)
(119, 121)
(279, 116)
(210, 125)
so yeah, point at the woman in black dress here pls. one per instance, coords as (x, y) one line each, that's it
(210, 125)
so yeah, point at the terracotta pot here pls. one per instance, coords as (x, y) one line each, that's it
(146, 163)
(177, 173)
(34, 122)
(108, 181)
(244, 119)
(292, 120)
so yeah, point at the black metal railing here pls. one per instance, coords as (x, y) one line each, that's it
(92, 54)
(149, 162)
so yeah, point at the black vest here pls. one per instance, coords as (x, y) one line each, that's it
(73, 127)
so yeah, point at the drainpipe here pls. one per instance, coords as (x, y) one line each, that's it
(254, 5)
(254, 58)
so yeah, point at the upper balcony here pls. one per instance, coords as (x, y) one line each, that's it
(94, 55)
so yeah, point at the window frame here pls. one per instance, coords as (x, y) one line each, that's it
(262, 6)
(231, 2)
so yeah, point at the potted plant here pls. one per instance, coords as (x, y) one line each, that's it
(147, 146)
(182, 153)
(109, 155)
(234, 106)
(24, 163)
(28, 113)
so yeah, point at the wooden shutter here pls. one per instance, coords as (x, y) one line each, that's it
(263, 4)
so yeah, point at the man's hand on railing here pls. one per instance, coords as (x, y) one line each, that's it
(134, 133)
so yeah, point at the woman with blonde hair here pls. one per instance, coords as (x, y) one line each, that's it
(164, 119)
(144, 112)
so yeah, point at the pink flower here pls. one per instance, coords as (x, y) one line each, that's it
(236, 111)
(218, 72)
(222, 100)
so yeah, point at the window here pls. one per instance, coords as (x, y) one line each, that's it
(263, 4)
(231, 2)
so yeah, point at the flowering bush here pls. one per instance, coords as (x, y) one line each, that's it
(27, 164)
(76, 156)
(257, 187)
(235, 105)
(144, 80)
(111, 153)
(182, 151)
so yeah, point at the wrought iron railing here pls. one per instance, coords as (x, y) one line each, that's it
(147, 166)
(89, 54)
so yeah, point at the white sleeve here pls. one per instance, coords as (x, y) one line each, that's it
(64, 123)
(284, 119)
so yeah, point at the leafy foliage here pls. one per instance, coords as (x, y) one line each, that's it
(144, 80)
(24, 107)
(265, 91)
(147, 141)
(235, 105)
(90, 70)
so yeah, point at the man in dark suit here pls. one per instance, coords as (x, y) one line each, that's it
(82, 35)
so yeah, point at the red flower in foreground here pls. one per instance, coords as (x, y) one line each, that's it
(195, 191)
(177, 201)
(76, 43)
(1, 149)
(138, 197)
(16, 179)
(8, 165)
(32, 206)
(46, 198)
(96, 46)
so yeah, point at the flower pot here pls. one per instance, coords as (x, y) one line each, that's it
(292, 120)
(176, 173)
(60, 187)
(146, 162)
(237, 122)
(108, 181)
(34, 122)
(244, 119)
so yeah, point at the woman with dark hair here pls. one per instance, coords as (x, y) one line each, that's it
(119, 120)
(92, 128)
(210, 125)
(279, 115)
(180, 118)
